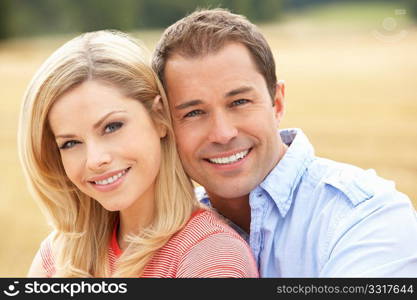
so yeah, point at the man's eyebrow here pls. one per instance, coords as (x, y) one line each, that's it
(238, 91)
(231, 93)
(188, 104)
(95, 126)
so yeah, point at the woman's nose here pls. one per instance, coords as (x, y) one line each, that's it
(97, 158)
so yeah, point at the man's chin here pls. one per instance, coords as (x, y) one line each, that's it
(227, 192)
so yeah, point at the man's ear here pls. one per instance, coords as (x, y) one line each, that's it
(279, 104)
(157, 110)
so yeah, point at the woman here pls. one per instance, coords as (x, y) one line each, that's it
(98, 152)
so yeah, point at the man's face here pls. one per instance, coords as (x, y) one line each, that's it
(224, 121)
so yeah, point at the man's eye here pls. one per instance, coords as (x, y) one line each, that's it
(68, 145)
(239, 102)
(112, 127)
(194, 113)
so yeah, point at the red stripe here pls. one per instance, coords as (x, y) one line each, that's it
(205, 247)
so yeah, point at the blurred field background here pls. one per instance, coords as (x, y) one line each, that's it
(351, 84)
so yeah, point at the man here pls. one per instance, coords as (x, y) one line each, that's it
(303, 216)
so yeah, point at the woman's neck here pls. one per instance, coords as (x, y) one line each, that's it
(136, 217)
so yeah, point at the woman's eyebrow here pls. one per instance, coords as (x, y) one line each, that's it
(101, 120)
(95, 126)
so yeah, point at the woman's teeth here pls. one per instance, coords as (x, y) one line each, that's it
(230, 159)
(111, 179)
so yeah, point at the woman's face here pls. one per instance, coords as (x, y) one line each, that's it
(109, 146)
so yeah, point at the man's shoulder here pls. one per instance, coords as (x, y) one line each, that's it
(354, 184)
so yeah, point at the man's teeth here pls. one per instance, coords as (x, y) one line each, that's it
(111, 179)
(230, 159)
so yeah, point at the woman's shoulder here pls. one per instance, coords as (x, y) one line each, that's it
(43, 262)
(204, 223)
(213, 249)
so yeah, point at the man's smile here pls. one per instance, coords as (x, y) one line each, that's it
(229, 159)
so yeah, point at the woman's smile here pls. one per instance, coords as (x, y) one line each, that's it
(109, 181)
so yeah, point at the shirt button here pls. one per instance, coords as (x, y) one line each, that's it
(259, 195)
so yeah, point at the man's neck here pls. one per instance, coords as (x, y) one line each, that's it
(236, 210)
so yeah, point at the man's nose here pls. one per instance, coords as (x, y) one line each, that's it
(222, 129)
(97, 158)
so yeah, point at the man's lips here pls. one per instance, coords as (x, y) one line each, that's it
(228, 157)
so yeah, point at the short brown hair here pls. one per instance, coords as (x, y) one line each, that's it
(207, 31)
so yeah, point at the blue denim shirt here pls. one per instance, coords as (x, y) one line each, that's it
(313, 217)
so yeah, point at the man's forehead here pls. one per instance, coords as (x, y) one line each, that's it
(225, 73)
(232, 61)
(181, 56)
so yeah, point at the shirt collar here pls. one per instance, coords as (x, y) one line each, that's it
(114, 245)
(282, 181)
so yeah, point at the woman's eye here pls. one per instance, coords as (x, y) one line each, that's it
(68, 145)
(194, 113)
(239, 102)
(112, 127)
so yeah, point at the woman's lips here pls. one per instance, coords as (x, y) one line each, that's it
(109, 181)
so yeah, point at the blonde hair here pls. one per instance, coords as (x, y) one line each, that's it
(82, 226)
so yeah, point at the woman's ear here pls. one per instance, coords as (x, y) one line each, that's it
(157, 109)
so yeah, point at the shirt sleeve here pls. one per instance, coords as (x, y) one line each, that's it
(218, 255)
(378, 238)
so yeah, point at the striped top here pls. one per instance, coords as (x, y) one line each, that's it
(206, 247)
